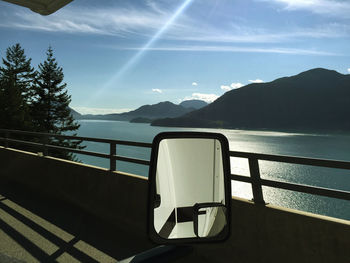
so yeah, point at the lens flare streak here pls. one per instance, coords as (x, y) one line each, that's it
(141, 52)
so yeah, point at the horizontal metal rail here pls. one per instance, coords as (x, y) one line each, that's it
(20, 142)
(45, 147)
(241, 178)
(132, 160)
(78, 138)
(67, 149)
(253, 160)
(307, 189)
(258, 182)
(293, 160)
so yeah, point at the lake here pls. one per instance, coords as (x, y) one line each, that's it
(326, 146)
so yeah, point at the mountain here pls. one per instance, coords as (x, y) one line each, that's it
(195, 104)
(159, 110)
(146, 112)
(141, 120)
(76, 115)
(318, 99)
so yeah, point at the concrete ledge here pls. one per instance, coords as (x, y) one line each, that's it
(285, 235)
(259, 233)
(117, 197)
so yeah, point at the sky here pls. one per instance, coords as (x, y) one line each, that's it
(118, 55)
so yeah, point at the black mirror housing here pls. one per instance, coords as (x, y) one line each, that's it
(189, 188)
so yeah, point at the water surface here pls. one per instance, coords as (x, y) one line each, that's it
(326, 146)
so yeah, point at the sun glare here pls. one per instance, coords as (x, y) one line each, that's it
(138, 55)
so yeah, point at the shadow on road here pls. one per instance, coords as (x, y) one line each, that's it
(38, 228)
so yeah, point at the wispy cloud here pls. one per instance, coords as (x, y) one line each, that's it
(328, 7)
(256, 81)
(157, 90)
(112, 21)
(194, 84)
(143, 21)
(249, 34)
(220, 48)
(91, 110)
(202, 96)
(154, 5)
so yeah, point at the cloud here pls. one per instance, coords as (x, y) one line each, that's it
(119, 21)
(232, 86)
(325, 7)
(157, 90)
(236, 85)
(135, 21)
(154, 5)
(237, 49)
(194, 84)
(202, 96)
(254, 35)
(256, 81)
(225, 88)
(91, 110)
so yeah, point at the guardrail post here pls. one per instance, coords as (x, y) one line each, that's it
(45, 142)
(112, 153)
(256, 183)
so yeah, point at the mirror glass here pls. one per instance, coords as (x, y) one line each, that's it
(209, 220)
(189, 200)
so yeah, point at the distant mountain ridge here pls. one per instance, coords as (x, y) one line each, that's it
(158, 110)
(196, 104)
(146, 113)
(75, 114)
(314, 99)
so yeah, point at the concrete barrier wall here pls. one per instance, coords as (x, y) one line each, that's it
(119, 198)
(259, 233)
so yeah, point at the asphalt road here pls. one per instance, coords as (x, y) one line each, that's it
(36, 228)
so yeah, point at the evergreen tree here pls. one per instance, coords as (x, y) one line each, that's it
(50, 107)
(16, 77)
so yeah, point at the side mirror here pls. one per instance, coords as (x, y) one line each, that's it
(189, 195)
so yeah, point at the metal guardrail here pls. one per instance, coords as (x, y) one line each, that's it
(253, 160)
(257, 182)
(45, 147)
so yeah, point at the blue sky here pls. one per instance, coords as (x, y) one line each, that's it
(119, 55)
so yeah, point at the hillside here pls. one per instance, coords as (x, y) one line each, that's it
(150, 112)
(315, 99)
(159, 110)
(196, 104)
(76, 115)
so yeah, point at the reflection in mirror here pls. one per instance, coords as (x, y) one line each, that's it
(189, 188)
(209, 219)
